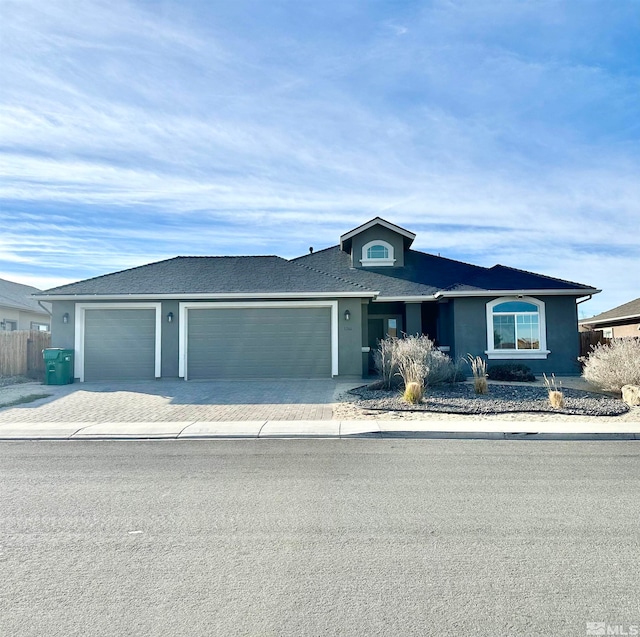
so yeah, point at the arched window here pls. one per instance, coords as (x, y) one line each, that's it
(377, 253)
(516, 328)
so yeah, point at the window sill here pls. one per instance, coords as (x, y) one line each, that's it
(377, 262)
(522, 354)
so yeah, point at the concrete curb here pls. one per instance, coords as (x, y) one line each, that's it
(320, 429)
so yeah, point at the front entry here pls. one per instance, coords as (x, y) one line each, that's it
(379, 328)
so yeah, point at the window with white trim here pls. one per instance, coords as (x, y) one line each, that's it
(516, 328)
(377, 253)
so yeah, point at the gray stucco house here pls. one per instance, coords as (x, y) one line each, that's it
(315, 316)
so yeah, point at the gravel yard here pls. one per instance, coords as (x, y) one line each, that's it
(460, 398)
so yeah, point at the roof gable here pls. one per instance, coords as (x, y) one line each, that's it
(345, 239)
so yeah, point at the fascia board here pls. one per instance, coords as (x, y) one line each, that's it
(567, 292)
(613, 319)
(207, 296)
(406, 299)
(377, 222)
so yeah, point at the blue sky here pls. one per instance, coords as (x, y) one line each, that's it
(498, 131)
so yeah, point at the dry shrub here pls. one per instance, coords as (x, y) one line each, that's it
(480, 385)
(413, 392)
(400, 361)
(479, 371)
(613, 365)
(556, 399)
(554, 390)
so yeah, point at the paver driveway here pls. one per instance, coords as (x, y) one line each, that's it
(173, 401)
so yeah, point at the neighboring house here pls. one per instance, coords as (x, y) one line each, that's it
(619, 322)
(315, 316)
(19, 310)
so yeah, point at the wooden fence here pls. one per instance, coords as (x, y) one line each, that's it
(588, 340)
(21, 353)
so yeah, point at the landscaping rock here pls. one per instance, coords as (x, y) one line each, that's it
(460, 398)
(631, 395)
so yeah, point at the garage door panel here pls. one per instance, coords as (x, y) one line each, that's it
(259, 343)
(119, 344)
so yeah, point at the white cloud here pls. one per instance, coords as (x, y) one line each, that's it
(133, 132)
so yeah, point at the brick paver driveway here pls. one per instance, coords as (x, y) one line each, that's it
(174, 401)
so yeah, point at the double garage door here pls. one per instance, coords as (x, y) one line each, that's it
(259, 343)
(282, 342)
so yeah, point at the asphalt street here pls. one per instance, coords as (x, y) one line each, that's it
(318, 537)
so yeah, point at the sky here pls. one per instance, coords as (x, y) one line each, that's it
(498, 131)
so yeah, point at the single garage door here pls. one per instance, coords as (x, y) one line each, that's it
(119, 344)
(259, 343)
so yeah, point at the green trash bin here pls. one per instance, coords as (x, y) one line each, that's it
(58, 366)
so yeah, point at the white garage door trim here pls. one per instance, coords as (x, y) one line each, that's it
(184, 324)
(81, 308)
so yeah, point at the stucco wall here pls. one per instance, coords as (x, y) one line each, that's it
(63, 334)
(377, 233)
(470, 334)
(350, 338)
(349, 335)
(620, 331)
(170, 340)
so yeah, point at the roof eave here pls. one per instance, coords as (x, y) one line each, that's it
(615, 319)
(20, 307)
(209, 296)
(530, 292)
(406, 299)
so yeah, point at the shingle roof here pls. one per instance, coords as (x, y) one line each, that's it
(213, 275)
(425, 274)
(18, 296)
(626, 310)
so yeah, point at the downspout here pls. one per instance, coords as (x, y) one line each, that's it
(588, 298)
(45, 309)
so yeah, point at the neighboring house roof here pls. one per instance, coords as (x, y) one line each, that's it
(18, 296)
(184, 276)
(427, 275)
(626, 312)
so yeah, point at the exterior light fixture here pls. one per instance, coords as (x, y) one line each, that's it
(170, 317)
(347, 315)
(65, 317)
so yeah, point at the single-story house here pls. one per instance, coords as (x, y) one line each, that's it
(318, 315)
(620, 322)
(19, 310)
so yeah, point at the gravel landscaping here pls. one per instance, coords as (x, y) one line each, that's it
(460, 398)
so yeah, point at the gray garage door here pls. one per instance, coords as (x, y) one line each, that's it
(119, 344)
(259, 343)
